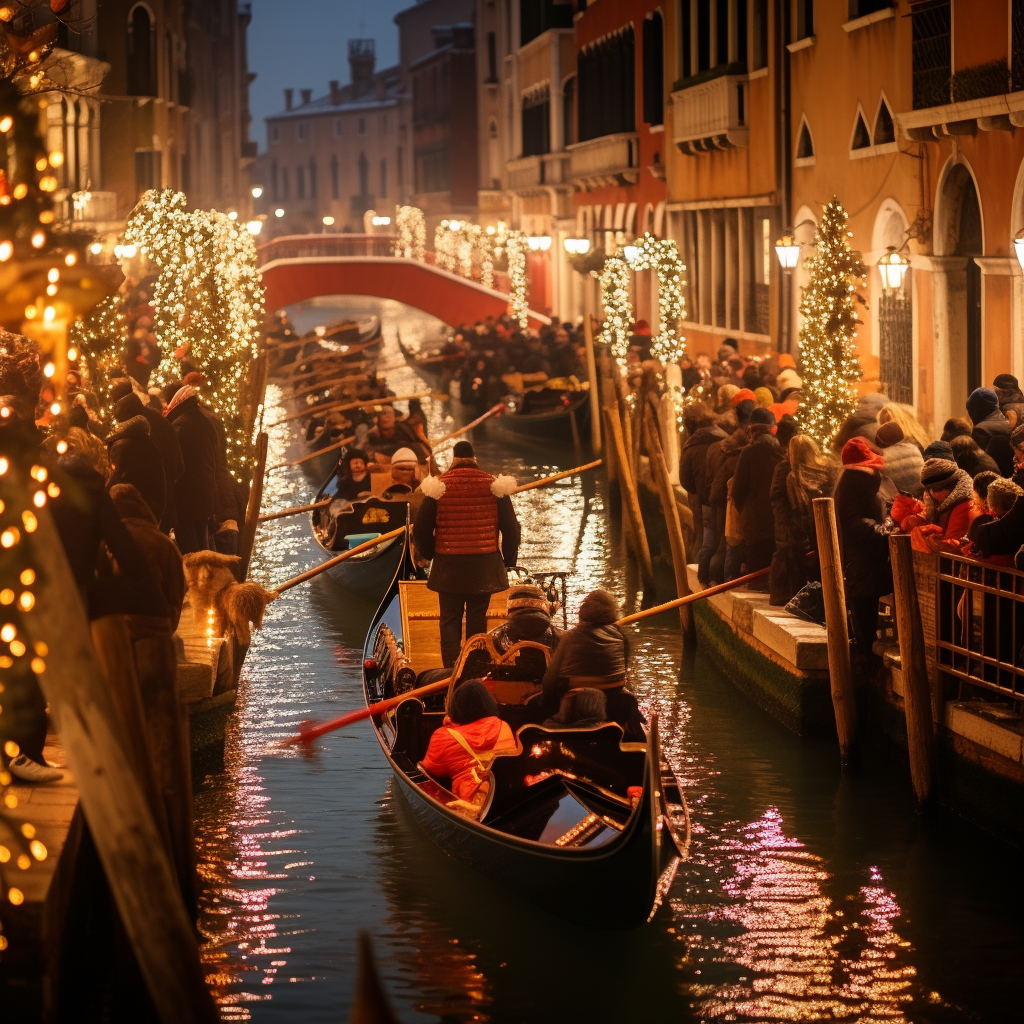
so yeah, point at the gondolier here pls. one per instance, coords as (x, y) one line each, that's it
(468, 525)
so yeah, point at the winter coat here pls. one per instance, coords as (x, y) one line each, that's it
(752, 485)
(162, 434)
(196, 491)
(973, 463)
(447, 758)
(229, 502)
(162, 556)
(1000, 451)
(862, 422)
(1002, 536)
(903, 465)
(722, 458)
(472, 533)
(85, 518)
(993, 424)
(135, 460)
(863, 539)
(795, 537)
(526, 625)
(693, 462)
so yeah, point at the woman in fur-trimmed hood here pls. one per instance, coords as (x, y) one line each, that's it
(468, 526)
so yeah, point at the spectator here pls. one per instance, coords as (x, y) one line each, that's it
(1011, 399)
(134, 458)
(980, 512)
(864, 539)
(196, 492)
(983, 408)
(938, 450)
(751, 492)
(721, 462)
(913, 432)
(941, 522)
(702, 432)
(954, 427)
(787, 405)
(902, 459)
(970, 458)
(862, 422)
(1000, 451)
(1002, 536)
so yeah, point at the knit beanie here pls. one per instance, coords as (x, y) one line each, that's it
(858, 454)
(744, 410)
(982, 402)
(939, 450)
(762, 419)
(463, 450)
(528, 599)
(1006, 382)
(786, 361)
(763, 397)
(1017, 436)
(404, 456)
(120, 388)
(889, 434)
(788, 378)
(940, 474)
(599, 607)
(743, 395)
(127, 407)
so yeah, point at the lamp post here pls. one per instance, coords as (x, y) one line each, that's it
(787, 248)
(893, 267)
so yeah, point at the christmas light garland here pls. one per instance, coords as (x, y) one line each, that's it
(411, 242)
(662, 256)
(828, 361)
(207, 300)
(515, 246)
(618, 306)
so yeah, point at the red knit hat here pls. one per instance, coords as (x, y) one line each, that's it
(743, 395)
(858, 454)
(642, 328)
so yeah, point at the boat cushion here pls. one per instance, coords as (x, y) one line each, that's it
(355, 539)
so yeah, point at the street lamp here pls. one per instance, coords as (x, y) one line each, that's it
(539, 243)
(257, 191)
(787, 248)
(328, 222)
(279, 212)
(893, 267)
(577, 246)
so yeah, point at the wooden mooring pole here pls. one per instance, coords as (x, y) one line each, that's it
(834, 592)
(595, 385)
(916, 691)
(627, 485)
(252, 512)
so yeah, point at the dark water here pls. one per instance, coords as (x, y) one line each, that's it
(808, 896)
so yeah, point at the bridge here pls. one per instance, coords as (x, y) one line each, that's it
(300, 267)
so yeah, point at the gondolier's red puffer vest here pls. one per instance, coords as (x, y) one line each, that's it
(467, 513)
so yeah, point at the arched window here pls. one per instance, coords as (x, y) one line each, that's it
(141, 52)
(885, 130)
(861, 136)
(804, 143)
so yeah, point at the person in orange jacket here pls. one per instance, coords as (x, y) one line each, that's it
(464, 746)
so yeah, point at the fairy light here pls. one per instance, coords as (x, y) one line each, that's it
(516, 249)
(411, 230)
(662, 256)
(828, 360)
(618, 307)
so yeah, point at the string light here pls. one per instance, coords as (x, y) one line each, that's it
(618, 307)
(411, 229)
(515, 247)
(828, 360)
(662, 256)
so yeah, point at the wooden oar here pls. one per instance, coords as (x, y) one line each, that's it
(690, 598)
(309, 731)
(557, 476)
(344, 406)
(358, 549)
(329, 383)
(294, 510)
(469, 426)
(312, 455)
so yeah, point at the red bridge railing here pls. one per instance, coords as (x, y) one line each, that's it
(325, 245)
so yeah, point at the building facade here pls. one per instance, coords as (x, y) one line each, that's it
(336, 156)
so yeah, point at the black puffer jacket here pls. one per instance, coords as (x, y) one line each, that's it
(196, 491)
(752, 486)
(864, 542)
(722, 458)
(590, 651)
(135, 460)
(693, 462)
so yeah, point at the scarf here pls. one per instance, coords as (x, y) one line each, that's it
(183, 394)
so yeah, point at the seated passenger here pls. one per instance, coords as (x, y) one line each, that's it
(529, 618)
(593, 654)
(353, 477)
(389, 435)
(580, 709)
(464, 746)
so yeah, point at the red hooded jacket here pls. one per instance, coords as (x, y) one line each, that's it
(446, 757)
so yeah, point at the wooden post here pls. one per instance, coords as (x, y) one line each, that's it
(609, 401)
(252, 510)
(630, 499)
(130, 846)
(916, 696)
(668, 506)
(839, 668)
(595, 384)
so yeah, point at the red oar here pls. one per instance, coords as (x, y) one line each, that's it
(309, 731)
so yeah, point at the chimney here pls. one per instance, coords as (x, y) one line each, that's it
(361, 61)
(288, 93)
(307, 95)
(335, 94)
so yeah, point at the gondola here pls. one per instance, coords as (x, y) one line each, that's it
(587, 827)
(368, 574)
(551, 415)
(431, 366)
(343, 341)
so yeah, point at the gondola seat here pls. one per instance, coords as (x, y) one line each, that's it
(595, 755)
(414, 726)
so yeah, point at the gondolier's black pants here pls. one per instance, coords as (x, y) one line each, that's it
(452, 607)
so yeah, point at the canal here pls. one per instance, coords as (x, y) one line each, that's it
(808, 895)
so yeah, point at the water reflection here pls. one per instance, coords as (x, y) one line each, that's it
(808, 897)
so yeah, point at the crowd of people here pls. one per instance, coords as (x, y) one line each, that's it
(751, 477)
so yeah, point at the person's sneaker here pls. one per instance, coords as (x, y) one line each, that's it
(27, 770)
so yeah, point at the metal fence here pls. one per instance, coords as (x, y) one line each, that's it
(896, 345)
(980, 624)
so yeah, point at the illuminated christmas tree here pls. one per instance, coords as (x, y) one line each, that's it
(828, 361)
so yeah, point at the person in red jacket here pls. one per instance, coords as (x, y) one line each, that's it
(467, 525)
(464, 746)
(943, 520)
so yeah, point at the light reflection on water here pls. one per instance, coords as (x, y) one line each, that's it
(789, 910)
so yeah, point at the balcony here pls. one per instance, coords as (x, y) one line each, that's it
(609, 160)
(87, 210)
(1002, 113)
(711, 115)
(534, 173)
